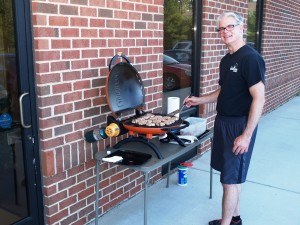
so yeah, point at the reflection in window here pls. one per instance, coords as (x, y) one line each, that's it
(252, 24)
(178, 45)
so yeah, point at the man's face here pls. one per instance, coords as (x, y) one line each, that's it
(233, 32)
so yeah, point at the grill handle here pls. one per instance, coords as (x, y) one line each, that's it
(119, 55)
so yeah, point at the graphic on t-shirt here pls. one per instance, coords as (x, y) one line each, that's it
(234, 68)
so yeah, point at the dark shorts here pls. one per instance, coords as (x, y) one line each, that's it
(233, 167)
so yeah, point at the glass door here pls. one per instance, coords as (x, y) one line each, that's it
(19, 180)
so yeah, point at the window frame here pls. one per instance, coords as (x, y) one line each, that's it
(259, 25)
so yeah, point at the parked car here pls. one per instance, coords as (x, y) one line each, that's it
(181, 51)
(181, 55)
(183, 45)
(175, 74)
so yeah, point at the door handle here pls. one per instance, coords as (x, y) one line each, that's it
(21, 110)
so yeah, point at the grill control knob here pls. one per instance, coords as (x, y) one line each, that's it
(95, 135)
(112, 130)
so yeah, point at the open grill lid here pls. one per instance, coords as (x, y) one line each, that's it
(124, 86)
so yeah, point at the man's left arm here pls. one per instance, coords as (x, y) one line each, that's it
(242, 142)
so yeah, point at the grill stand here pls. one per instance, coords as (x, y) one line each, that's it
(142, 140)
(147, 142)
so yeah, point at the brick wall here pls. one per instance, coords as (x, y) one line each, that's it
(281, 50)
(74, 41)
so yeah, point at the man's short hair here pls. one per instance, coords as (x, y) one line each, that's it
(238, 17)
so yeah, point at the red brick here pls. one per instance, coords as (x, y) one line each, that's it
(75, 96)
(51, 143)
(48, 101)
(77, 188)
(83, 176)
(40, 20)
(69, 32)
(67, 202)
(58, 158)
(58, 21)
(82, 124)
(56, 197)
(51, 209)
(73, 117)
(79, 22)
(47, 163)
(97, 23)
(79, 205)
(62, 65)
(60, 44)
(42, 67)
(80, 2)
(64, 108)
(90, 12)
(45, 8)
(113, 23)
(85, 193)
(83, 104)
(63, 129)
(56, 217)
(70, 219)
(98, 3)
(73, 75)
(81, 43)
(41, 44)
(79, 64)
(92, 93)
(73, 137)
(60, 88)
(45, 32)
(68, 10)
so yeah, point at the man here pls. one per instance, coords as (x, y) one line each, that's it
(240, 100)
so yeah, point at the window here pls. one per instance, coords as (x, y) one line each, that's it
(254, 23)
(178, 50)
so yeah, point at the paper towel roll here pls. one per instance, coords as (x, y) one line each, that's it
(173, 104)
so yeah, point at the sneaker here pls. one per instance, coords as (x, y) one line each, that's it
(218, 222)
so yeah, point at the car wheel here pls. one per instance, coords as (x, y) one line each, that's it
(170, 82)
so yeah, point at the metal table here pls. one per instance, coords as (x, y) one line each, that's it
(169, 153)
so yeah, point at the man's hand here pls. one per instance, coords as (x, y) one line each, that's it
(241, 144)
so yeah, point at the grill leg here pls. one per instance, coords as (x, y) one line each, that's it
(146, 176)
(211, 174)
(97, 190)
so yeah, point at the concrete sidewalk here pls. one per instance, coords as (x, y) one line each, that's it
(271, 195)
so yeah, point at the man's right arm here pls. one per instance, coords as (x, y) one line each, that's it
(209, 98)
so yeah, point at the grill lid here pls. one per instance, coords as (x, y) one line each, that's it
(124, 86)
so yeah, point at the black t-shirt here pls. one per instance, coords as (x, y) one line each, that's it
(238, 72)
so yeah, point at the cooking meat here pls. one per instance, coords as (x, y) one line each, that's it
(150, 120)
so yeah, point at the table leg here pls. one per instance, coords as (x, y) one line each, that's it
(168, 175)
(211, 173)
(97, 190)
(210, 183)
(146, 176)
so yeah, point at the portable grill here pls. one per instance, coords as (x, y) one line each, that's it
(125, 91)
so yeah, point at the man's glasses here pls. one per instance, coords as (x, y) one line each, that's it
(229, 27)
